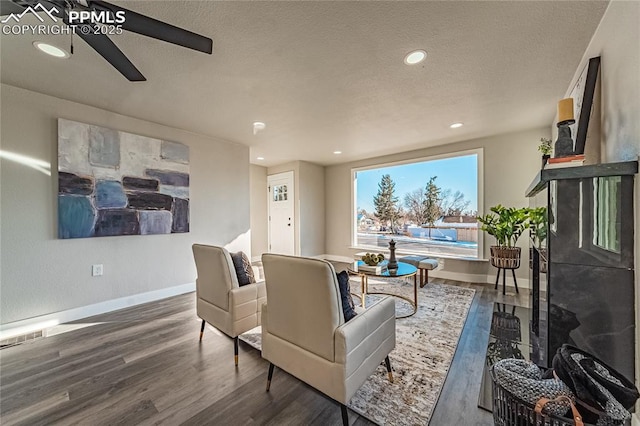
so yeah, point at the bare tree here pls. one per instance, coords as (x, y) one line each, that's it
(402, 217)
(453, 203)
(415, 202)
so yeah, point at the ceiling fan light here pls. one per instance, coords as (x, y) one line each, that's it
(51, 50)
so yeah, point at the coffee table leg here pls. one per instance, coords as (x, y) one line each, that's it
(415, 290)
(363, 279)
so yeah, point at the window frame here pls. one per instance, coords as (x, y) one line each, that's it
(480, 198)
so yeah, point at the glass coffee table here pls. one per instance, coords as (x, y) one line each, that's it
(404, 270)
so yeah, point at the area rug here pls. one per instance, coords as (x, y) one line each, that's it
(425, 345)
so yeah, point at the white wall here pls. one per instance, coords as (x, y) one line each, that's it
(617, 42)
(259, 211)
(510, 163)
(41, 274)
(312, 209)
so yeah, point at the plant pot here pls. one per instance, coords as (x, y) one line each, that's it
(505, 326)
(505, 257)
(545, 158)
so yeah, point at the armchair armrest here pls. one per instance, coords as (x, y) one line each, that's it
(243, 307)
(357, 339)
(244, 294)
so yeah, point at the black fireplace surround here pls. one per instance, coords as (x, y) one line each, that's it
(582, 275)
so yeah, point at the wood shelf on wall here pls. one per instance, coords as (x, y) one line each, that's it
(589, 171)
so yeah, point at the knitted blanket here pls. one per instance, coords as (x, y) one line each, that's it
(596, 385)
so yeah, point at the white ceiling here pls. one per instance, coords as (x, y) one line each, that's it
(329, 76)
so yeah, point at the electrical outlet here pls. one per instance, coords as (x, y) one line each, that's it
(97, 270)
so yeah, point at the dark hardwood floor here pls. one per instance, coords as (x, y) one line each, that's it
(144, 365)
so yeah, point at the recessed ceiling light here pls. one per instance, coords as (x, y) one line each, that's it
(337, 152)
(260, 158)
(50, 49)
(455, 125)
(257, 126)
(415, 57)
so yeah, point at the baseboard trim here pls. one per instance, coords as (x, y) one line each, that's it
(458, 276)
(29, 325)
(478, 278)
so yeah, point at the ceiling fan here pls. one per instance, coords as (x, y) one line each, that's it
(100, 42)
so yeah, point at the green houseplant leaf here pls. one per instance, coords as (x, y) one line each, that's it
(505, 224)
(538, 222)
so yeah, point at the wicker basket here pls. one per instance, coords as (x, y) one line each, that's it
(505, 257)
(508, 410)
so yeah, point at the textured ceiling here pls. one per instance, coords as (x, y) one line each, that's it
(329, 76)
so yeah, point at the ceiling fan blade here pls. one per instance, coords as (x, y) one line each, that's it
(150, 27)
(7, 7)
(109, 51)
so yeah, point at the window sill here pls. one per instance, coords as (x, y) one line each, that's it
(409, 253)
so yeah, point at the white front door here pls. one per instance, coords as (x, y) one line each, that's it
(281, 214)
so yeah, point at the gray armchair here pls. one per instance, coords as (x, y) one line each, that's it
(305, 334)
(220, 301)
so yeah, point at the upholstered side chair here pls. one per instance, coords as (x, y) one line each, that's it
(220, 301)
(304, 331)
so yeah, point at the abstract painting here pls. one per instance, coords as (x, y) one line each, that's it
(117, 183)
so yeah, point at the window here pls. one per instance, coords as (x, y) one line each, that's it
(280, 193)
(428, 206)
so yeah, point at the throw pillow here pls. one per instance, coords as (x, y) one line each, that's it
(345, 295)
(244, 272)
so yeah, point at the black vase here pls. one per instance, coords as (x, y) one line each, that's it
(393, 263)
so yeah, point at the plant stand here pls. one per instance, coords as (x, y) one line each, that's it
(504, 279)
(505, 258)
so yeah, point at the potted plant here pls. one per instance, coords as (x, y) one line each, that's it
(545, 148)
(506, 225)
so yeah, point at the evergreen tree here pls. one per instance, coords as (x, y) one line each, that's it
(385, 202)
(432, 202)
